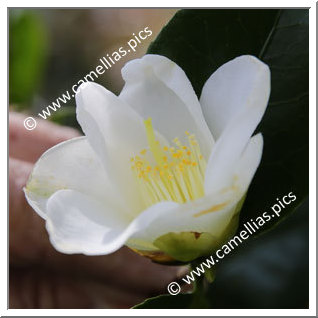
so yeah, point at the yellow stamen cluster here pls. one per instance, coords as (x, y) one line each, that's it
(177, 173)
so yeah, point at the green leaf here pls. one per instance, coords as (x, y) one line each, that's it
(200, 41)
(27, 55)
(270, 272)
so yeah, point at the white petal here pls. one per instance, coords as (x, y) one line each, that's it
(236, 87)
(116, 133)
(78, 223)
(69, 165)
(165, 217)
(249, 162)
(237, 131)
(158, 88)
(227, 151)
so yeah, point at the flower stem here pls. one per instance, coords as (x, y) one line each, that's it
(201, 284)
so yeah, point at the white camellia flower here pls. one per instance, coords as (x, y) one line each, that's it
(157, 170)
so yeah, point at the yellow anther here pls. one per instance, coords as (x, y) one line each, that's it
(177, 173)
(177, 154)
(139, 163)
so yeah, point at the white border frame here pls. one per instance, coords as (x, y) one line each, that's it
(162, 312)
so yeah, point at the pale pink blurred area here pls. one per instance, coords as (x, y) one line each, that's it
(29, 145)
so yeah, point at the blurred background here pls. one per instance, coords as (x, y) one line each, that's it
(51, 49)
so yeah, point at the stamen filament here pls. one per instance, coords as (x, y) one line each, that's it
(179, 172)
